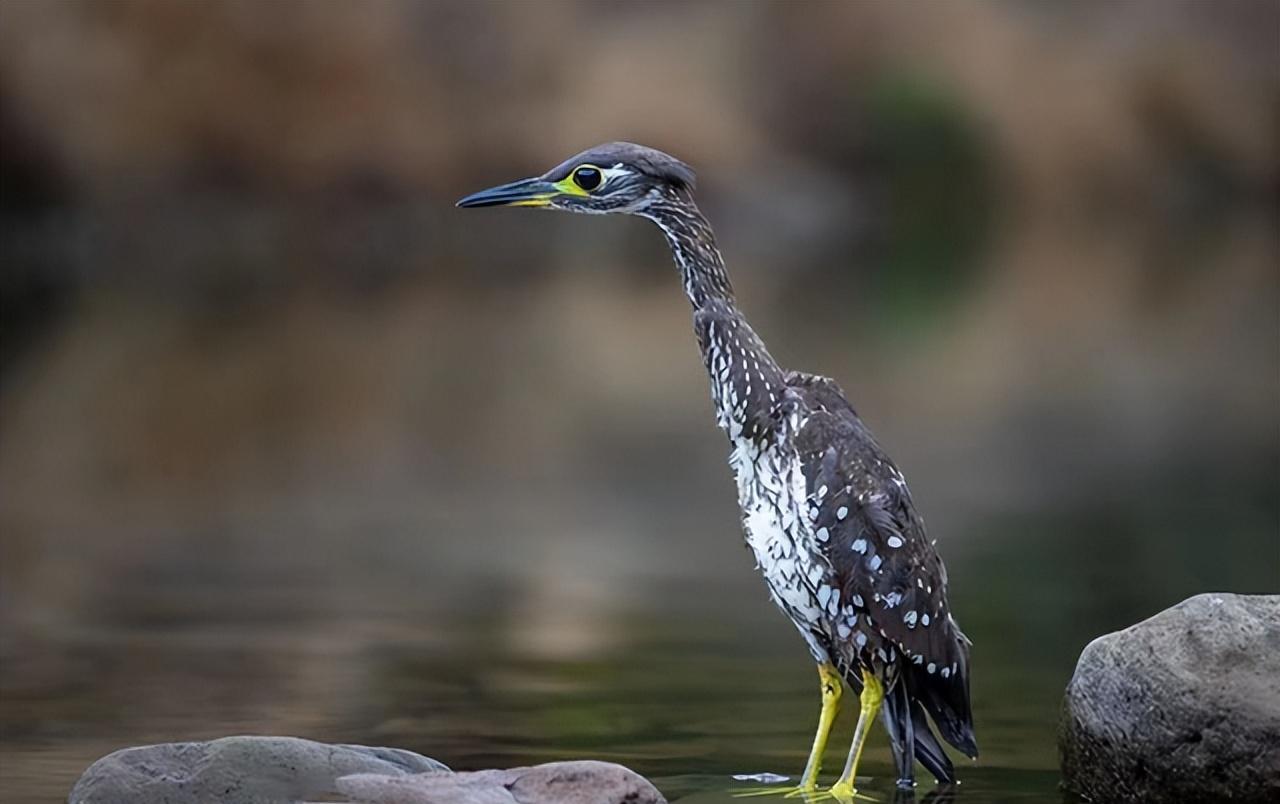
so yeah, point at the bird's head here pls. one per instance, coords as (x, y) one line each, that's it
(618, 177)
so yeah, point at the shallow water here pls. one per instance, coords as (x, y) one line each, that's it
(688, 683)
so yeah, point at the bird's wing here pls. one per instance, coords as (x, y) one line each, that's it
(892, 584)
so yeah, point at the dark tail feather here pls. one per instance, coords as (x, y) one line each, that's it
(929, 750)
(910, 738)
(947, 699)
(896, 713)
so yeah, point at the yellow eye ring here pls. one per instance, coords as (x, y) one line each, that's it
(588, 177)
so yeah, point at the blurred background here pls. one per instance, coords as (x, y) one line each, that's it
(290, 445)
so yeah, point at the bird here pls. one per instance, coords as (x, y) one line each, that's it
(825, 511)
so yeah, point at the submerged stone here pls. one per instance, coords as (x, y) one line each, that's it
(289, 770)
(237, 770)
(581, 782)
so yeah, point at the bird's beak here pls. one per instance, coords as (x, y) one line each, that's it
(524, 193)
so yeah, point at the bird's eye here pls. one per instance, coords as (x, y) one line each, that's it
(587, 177)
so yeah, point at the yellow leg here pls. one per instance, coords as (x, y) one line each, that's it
(872, 695)
(832, 689)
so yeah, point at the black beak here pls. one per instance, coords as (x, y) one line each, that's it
(523, 193)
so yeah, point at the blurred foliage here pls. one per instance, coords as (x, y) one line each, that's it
(939, 196)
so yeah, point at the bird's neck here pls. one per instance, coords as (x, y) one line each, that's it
(747, 384)
(693, 245)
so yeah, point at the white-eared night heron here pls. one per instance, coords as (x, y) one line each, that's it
(825, 511)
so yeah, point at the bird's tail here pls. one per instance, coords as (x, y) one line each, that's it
(922, 689)
(911, 738)
(946, 699)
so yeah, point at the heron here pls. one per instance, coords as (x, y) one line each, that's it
(826, 513)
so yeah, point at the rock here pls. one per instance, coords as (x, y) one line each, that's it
(583, 782)
(237, 770)
(1182, 707)
(288, 770)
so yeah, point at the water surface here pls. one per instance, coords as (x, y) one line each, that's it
(686, 681)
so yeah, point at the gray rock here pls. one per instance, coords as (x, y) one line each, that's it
(1182, 707)
(237, 770)
(583, 782)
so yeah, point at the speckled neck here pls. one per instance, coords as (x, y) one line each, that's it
(693, 245)
(747, 384)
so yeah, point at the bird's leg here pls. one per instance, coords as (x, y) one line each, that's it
(872, 696)
(832, 688)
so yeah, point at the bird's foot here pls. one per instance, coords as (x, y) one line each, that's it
(845, 793)
(804, 792)
(841, 792)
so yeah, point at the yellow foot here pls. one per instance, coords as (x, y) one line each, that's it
(841, 792)
(806, 792)
(845, 793)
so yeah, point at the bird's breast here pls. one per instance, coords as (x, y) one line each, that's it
(771, 493)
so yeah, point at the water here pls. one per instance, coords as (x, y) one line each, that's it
(688, 683)
(309, 523)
